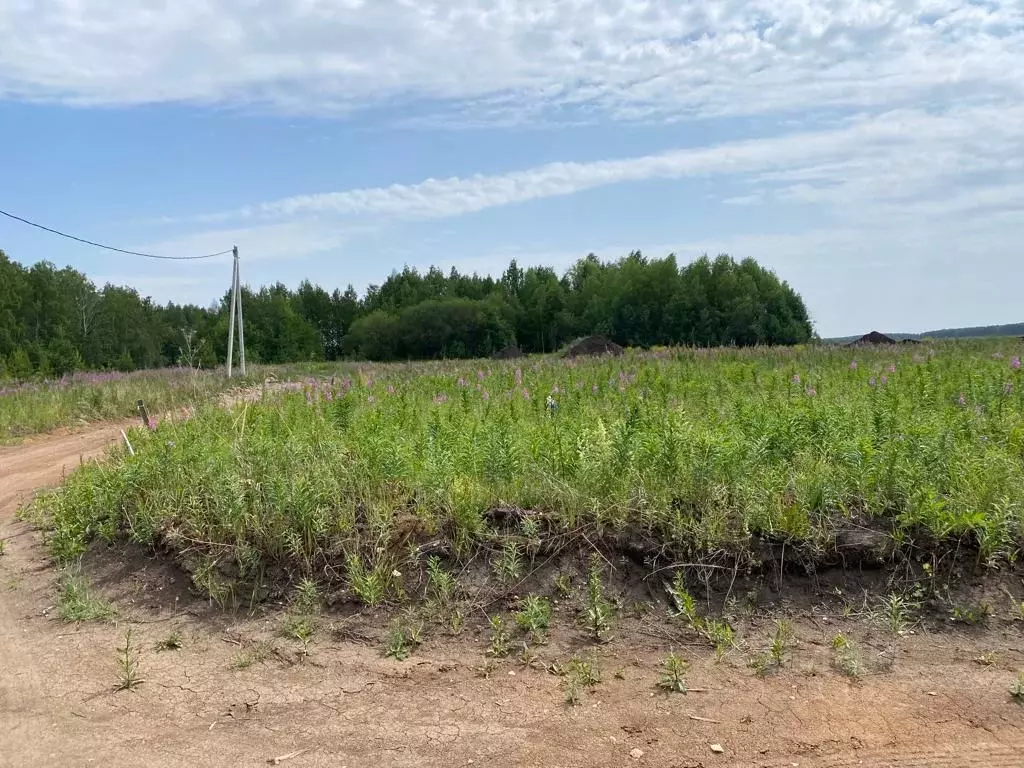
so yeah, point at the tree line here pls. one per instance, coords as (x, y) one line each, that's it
(54, 321)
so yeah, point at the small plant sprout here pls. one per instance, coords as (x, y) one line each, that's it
(501, 643)
(598, 609)
(534, 616)
(717, 632)
(895, 613)
(441, 585)
(509, 565)
(673, 674)
(397, 645)
(128, 664)
(847, 658)
(307, 597)
(563, 585)
(781, 638)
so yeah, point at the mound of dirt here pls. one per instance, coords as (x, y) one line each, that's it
(510, 352)
(872, 338)
(594, 346)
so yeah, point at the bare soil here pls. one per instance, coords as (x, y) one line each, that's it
(924, 700)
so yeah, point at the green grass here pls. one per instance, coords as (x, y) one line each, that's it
(703, 454)
(35, 407)
(75, 601)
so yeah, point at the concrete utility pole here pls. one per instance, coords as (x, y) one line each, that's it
(236, 310)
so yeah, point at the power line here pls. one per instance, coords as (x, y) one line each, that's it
(110, 247)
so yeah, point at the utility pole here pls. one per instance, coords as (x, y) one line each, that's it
(236, 308)
(241, 326)
(234, 302)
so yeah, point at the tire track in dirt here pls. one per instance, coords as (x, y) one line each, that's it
(43, 461)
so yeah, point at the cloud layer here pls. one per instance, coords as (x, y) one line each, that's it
(485, 61)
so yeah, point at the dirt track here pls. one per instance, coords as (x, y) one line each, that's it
(346, 706)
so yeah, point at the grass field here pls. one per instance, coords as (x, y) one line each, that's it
(718, 457)
(73, 400)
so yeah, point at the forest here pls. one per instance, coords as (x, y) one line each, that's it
(54, 321)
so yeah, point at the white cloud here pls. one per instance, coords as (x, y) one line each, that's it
(891, 160)
(481, 61)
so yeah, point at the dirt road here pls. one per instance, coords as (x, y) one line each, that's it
(226, 699)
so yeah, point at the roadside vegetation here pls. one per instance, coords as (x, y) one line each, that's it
(377, 484)
(75, 399)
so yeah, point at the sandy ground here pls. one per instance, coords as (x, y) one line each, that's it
(345, 705)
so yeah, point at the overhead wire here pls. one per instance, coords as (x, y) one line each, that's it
(110, 247)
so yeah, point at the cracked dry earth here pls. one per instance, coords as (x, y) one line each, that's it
(345, 705)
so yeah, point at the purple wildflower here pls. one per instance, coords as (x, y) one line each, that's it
(526, 394)
(309, 397)
(811, 392)
(151, 424)
(1015, 363)
(884, 380)
(871, 381)
(480, 375)
(853, 365)
(487, 396)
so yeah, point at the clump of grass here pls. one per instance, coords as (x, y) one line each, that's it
(534, 616)
(76, 602)
(580, 675)
(301, 628)
(173, 642)
(1017, 688)
(128, 664)
(972, 614)
(673, 674)
(255, 653)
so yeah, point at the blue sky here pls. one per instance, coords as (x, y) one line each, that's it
(871, 152)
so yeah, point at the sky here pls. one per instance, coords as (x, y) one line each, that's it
(870, 152)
